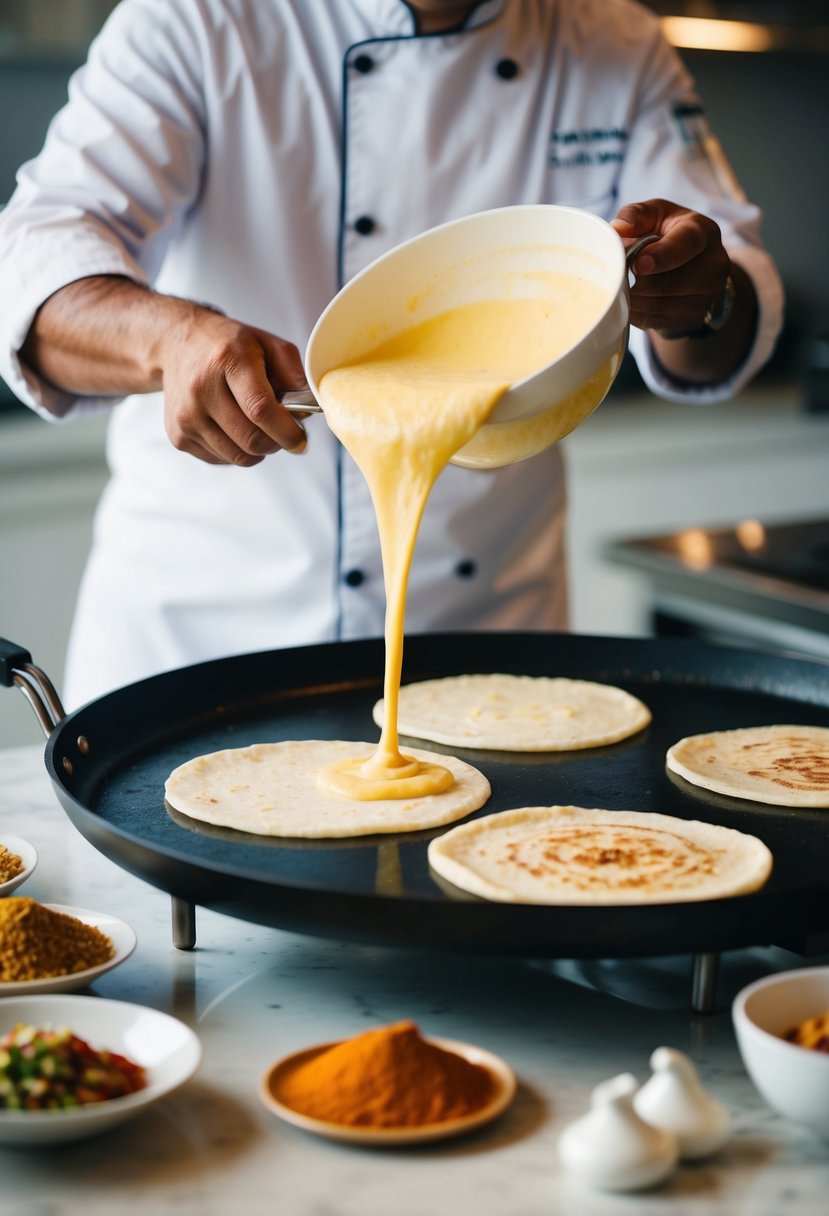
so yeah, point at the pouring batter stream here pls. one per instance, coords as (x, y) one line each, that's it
(402, 411)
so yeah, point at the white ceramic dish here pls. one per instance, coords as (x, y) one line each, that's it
(794, 1080)
(504, 1092)
(121, 936)
(498, 253)
(165, 1047)
(612, 1147)
(27, 854)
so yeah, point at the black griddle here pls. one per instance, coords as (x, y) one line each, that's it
(108, 762)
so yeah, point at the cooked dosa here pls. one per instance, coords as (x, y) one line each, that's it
(517, 713)
(271, 789)
(780, 765)
(572, 855)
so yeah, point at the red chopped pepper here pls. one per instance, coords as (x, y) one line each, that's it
(55, 1069)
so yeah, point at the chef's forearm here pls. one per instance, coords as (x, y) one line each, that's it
(717, 356)
(103, 335)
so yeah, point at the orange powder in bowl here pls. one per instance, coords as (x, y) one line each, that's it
(390, 1077)
(813, 1033)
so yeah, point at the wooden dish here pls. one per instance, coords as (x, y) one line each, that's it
(504, 1086)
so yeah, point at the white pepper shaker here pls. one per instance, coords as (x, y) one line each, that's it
(612, 1147)
(675, 1099)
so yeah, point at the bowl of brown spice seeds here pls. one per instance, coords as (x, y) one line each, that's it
(18, 859)
(47, 948)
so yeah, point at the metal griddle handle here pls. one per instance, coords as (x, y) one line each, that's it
(17, 668)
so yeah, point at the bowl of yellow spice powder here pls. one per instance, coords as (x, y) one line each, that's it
(389, 1086)
(18, 859)
(56, 948)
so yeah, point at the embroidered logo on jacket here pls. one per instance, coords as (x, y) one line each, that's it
(582, 147)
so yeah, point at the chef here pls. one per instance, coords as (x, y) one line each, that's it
(220, 169)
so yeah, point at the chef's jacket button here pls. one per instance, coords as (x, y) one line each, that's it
(364, 224)
(507, 69)
(363, 64)
(354, 578)
(466, 568)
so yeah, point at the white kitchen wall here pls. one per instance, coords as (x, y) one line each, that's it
(50, 479)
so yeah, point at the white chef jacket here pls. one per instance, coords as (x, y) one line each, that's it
(257, 155)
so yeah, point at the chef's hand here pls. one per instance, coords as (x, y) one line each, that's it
(220, 380)
(679, 276)
(107, 336)
(679, 279)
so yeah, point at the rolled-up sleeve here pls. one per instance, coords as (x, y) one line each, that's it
(122, 161)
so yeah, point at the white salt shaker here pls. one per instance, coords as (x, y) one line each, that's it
(675, 1099)
(612, 1147)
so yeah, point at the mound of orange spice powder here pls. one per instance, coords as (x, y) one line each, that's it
(389, 1077)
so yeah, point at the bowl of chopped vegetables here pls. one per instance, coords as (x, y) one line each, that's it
(74, 1066)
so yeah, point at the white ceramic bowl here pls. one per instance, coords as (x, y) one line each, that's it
(492, 254)
(165, 1047)
(794, 1080)
(27, 854)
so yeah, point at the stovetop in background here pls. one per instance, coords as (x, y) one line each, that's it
(748, 583)
(798, 553)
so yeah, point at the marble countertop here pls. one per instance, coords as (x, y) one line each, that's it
(253, 994)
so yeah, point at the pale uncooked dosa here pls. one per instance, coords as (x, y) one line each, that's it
(517, 713)
(271, 789)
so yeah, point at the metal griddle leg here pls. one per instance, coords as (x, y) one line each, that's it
(704, 982)
(184, 924)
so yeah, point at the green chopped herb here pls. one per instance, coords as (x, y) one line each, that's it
(45, 1069)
